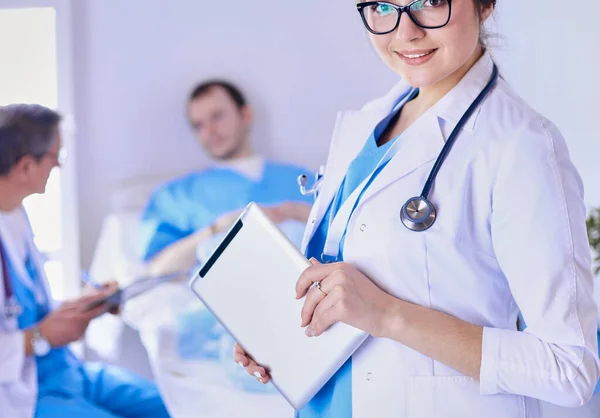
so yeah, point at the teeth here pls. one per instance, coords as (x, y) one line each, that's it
(417, 56)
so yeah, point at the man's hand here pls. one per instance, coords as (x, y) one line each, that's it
(288, 210)
(225, 221)
(69, 322)
(110, 287)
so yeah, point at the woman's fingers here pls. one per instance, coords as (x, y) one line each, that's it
(239, 355)
(259, 372)
(313, 298)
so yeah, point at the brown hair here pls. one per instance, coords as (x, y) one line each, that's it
(234, 92)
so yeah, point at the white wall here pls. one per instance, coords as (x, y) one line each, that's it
(550, 52)
(137, 59)
(299, 63)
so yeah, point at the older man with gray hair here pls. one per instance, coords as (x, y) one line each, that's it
(39, 375)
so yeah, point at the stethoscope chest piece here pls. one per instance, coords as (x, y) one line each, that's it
(418, 214)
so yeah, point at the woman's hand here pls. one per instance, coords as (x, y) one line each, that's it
(241, 358)
(344, 294)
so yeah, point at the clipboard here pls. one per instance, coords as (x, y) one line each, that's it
(138, 287)
(249, 283)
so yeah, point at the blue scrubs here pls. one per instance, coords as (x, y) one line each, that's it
(69, 388)
(193, 202)
(335, 398)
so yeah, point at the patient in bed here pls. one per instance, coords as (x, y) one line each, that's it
(181, 225)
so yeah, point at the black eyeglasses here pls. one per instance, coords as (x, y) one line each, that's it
(381, 17)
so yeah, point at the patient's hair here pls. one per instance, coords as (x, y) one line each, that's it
(234, 92)
(25, 129)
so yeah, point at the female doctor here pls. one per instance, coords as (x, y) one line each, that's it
(438, 280)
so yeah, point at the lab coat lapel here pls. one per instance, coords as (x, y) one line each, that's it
(420, 144)
(6, 324)
(38, 261)
(352, 130)
(17, 261)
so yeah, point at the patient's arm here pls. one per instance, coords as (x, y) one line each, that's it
(297, 211)
(181, 255)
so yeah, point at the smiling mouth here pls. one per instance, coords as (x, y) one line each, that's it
(414, 56)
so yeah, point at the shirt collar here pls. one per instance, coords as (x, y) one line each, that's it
(251, 167)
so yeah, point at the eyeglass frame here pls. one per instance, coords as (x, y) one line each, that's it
(400, 10)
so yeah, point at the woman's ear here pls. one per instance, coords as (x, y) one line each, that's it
(486, 11)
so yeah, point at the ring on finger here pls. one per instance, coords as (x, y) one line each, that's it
(318, 286)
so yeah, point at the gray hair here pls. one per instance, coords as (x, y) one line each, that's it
(25, 129)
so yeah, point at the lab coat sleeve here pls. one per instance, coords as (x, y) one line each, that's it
(12, 356)
(540, 240)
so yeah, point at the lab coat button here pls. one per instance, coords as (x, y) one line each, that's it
(363, 227)
(369, 377)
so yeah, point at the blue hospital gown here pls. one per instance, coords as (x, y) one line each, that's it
(193, 202)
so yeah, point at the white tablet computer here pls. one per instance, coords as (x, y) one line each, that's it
(249, 285)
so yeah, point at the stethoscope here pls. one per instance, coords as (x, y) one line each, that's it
(314, 189)
(11, 309)
(418, 213)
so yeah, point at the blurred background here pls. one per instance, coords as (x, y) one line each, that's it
(121, 71)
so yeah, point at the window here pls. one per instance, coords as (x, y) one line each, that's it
(30, 47)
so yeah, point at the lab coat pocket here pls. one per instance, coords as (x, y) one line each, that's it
(458, 397)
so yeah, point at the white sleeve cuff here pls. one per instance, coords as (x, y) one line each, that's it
(490, 357)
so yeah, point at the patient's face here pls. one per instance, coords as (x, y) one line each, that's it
(220, 125)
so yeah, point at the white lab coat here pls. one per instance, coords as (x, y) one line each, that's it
(18, 373)
(510, 235)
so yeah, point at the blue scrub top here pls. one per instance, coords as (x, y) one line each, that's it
(335, 398)
(60, 367)
(193, 202)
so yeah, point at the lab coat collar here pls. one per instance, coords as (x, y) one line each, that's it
(453, 105)
(423, 141)
(420, 144)
(351, 131)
